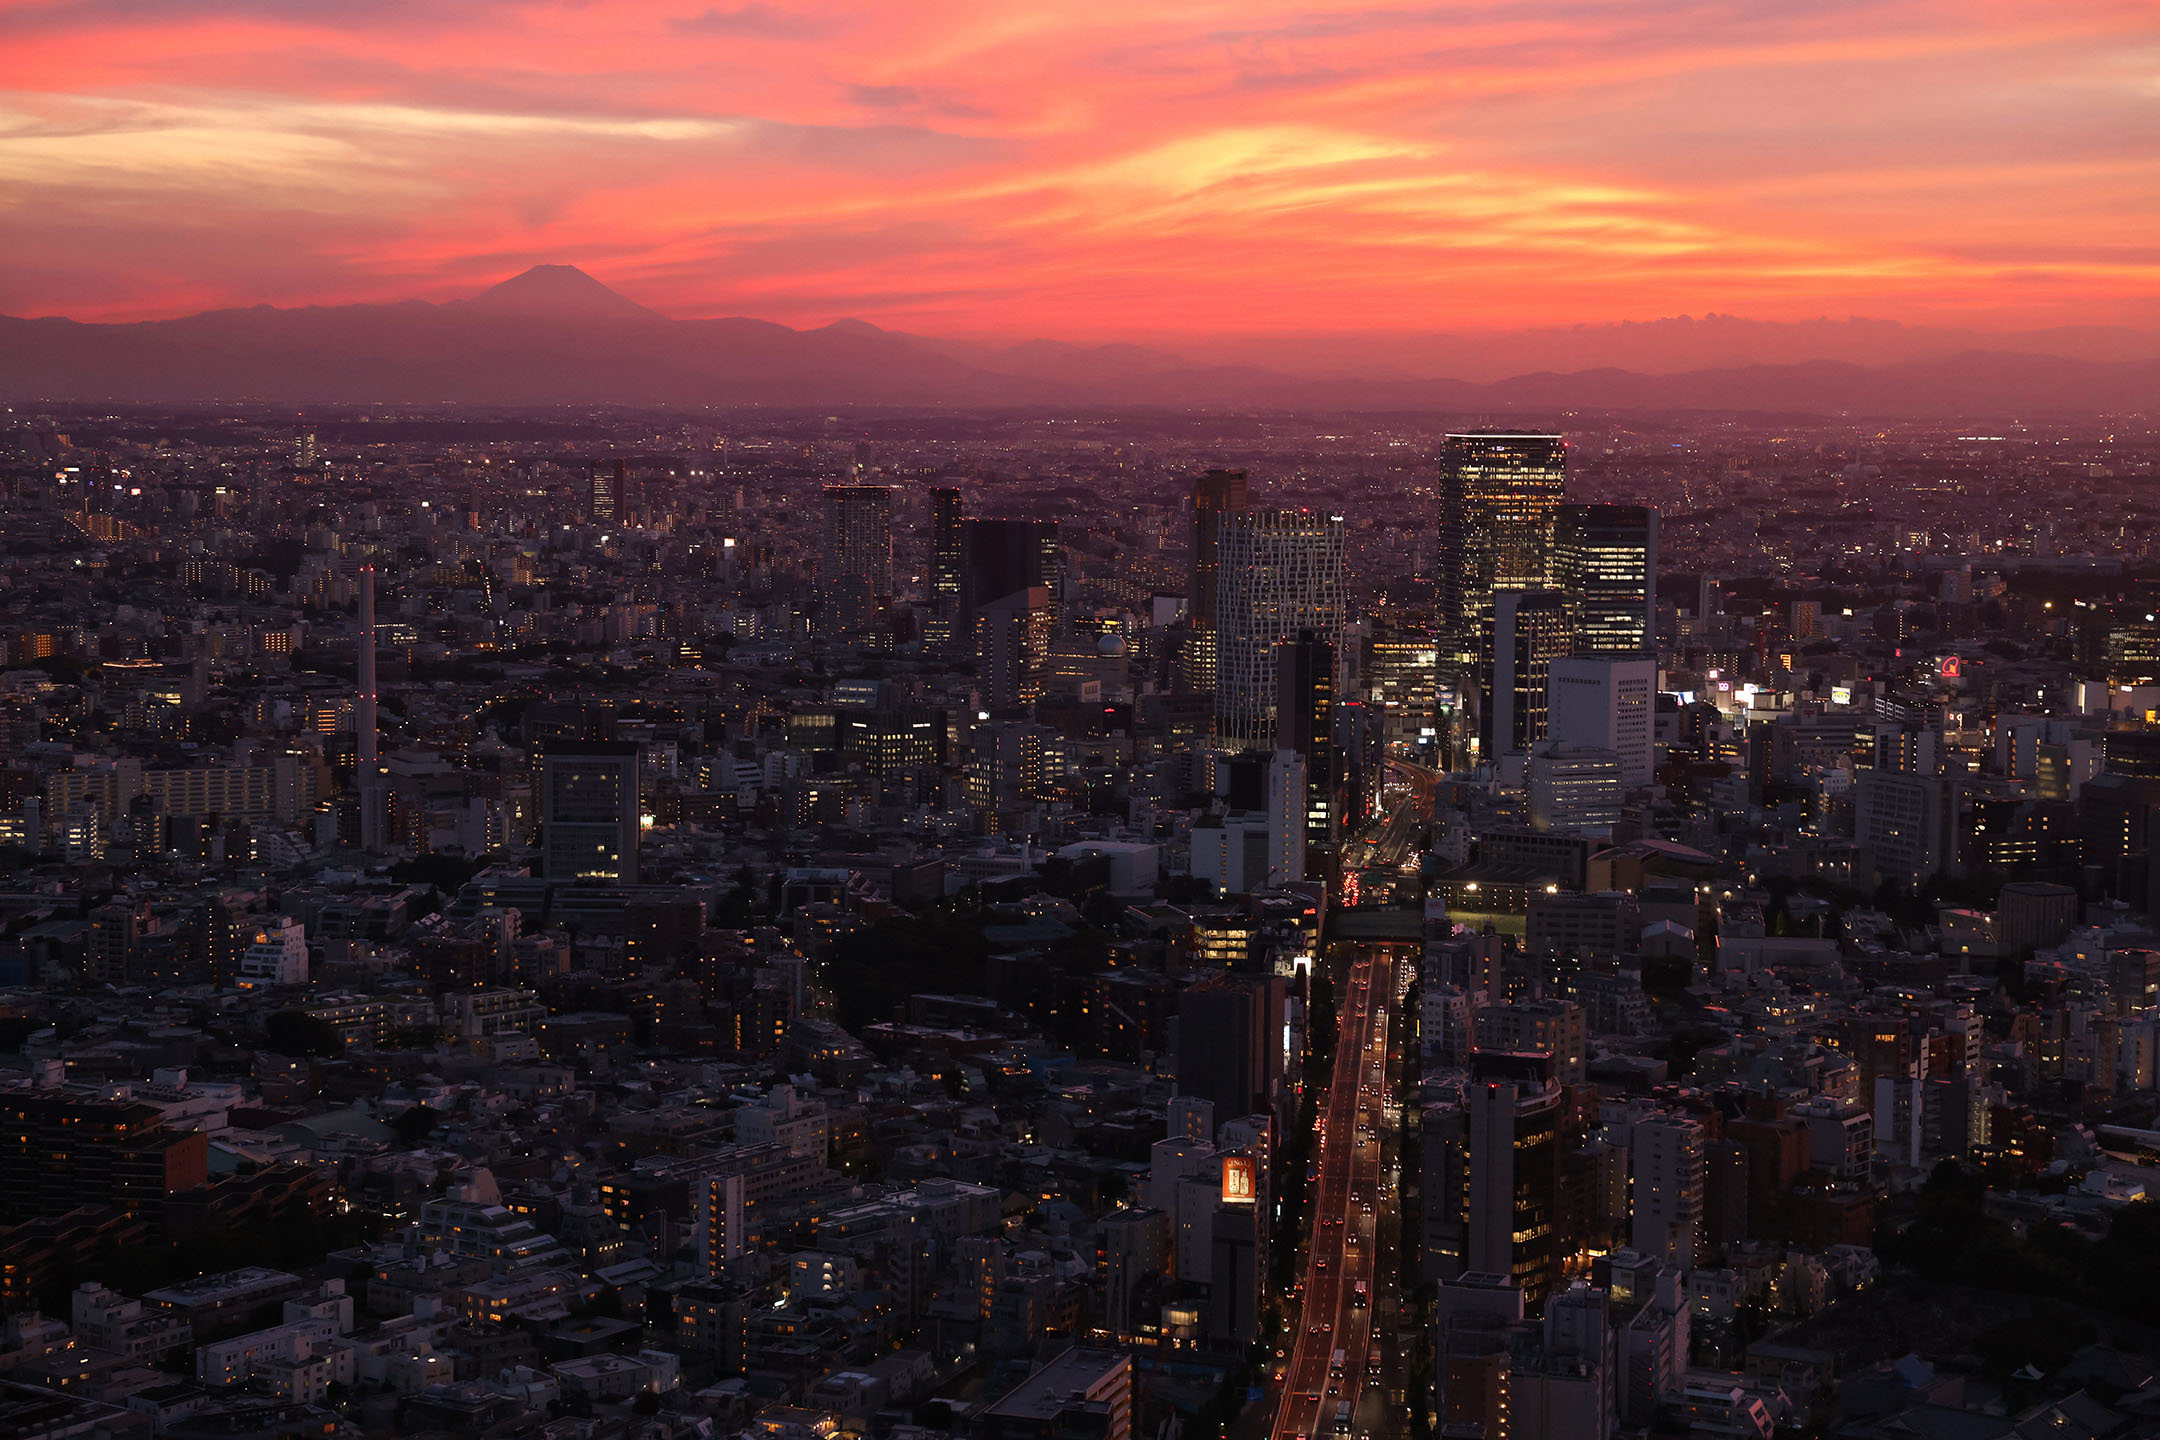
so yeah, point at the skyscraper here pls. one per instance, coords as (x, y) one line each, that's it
(368, 777)
(1287, 818)
(1496, 1156)
(1606, 702)
(1215, 494)
(1605, 561)
(1530, 632)
(998, 557)
(1012, 637)
(858, 538)
(1281, 572)
(1228, 1045)
(1667, 1163)
(1004, 764)
(365, 735)
(1399, 669)
(1498, 492)
(946, 517)
(589, 811)
(1305, 723)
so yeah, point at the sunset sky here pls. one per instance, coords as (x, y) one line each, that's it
(1094, 170)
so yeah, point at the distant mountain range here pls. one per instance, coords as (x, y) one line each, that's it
(555, 335)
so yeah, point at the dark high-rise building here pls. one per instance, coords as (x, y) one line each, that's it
(1359, 763)
(999, 557)
(2132, 753)
(216, 935)
(858, 539)
(2117, 808)
(1132, 1255)
(109, 944)
(946, 518)
(369, 779)
(1007, 605)
(589, 811)
(1237, 1275)
(1493, 1175)
(1215, 494)
(1531, 629)
(1305, 722)
(1604, 560)
(605, 499)
(1498, 492)
(148, 824)
(1226, 1026)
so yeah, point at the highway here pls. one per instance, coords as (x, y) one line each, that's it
(1385, 845)
(1327, 1374)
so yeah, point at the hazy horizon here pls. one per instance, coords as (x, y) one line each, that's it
(1664, 345)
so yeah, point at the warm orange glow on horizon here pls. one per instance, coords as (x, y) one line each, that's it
(1103, 171)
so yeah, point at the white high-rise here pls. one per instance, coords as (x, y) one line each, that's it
(1280, 572)
(1606, 702)
(368, 775)
(1667, 1207)
(1574, 790)
(1286, 820)
(278, 955)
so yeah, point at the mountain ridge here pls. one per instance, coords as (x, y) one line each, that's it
(555, 334)
(557, 290)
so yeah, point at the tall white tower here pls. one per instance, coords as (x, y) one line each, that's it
(1280, 572)
(367, 768)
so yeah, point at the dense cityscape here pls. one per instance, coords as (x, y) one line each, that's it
(1056, 925)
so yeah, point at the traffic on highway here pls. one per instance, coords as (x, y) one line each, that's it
(1335, 1353)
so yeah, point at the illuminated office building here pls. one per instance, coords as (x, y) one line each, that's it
(1530, 632)
(1604, 560)
(1399, 674)
(1498, 494)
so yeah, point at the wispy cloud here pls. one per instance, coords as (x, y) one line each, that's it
(1115, 168)
(751, 19)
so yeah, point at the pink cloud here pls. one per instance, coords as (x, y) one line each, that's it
(1100, 171)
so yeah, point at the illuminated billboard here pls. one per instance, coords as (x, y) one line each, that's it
(1237, 1180)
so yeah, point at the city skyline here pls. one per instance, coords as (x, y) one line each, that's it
(785, 896)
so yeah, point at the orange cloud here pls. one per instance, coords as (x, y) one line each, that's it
(1115, 169)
